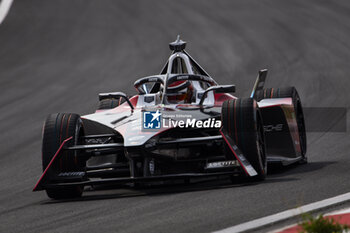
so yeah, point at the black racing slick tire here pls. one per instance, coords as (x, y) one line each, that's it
(242, 121)
(282, 92)
(59, 127)
(110, 103)
(290, 92)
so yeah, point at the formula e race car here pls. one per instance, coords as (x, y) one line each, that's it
(180, 125)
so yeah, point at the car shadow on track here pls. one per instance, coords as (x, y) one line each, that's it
(281, 171)
(118, 191)
(276, 174)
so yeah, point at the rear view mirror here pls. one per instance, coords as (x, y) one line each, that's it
(115, 95)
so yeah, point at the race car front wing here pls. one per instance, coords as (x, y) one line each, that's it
(73, 178)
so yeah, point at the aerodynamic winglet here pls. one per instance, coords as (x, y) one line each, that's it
(38, 185)
(247, 167)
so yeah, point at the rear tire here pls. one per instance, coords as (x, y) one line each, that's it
(57, 128)
(282, 92)
(110, 103)
(243, 123)
(290, 92)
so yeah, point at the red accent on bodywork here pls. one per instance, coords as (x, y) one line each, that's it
(49, 165)
(245, 170)
(134, 100)
(221, 97)
(269, 106)
(235, 117)
(228, 118)
(276, 102)
(176, 83)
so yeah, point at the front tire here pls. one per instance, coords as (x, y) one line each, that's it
(57, 128)
(242, 121)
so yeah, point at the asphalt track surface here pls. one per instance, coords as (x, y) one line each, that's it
(56, 56)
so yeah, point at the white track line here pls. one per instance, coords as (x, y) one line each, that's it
(261, 222)
(5, 6)
(341, 211)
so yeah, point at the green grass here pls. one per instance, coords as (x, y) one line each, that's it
(321, 224)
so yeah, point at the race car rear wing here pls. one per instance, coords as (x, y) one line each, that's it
(259, 83)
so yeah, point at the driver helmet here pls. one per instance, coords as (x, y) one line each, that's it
(183, 95)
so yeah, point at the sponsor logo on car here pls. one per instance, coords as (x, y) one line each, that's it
(222, 164)
(153, 120)
(270, 128)
(193, 123)
(71, 174)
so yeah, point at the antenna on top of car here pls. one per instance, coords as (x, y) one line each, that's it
(178, 45)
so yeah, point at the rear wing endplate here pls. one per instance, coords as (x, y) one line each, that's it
(259, 83)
